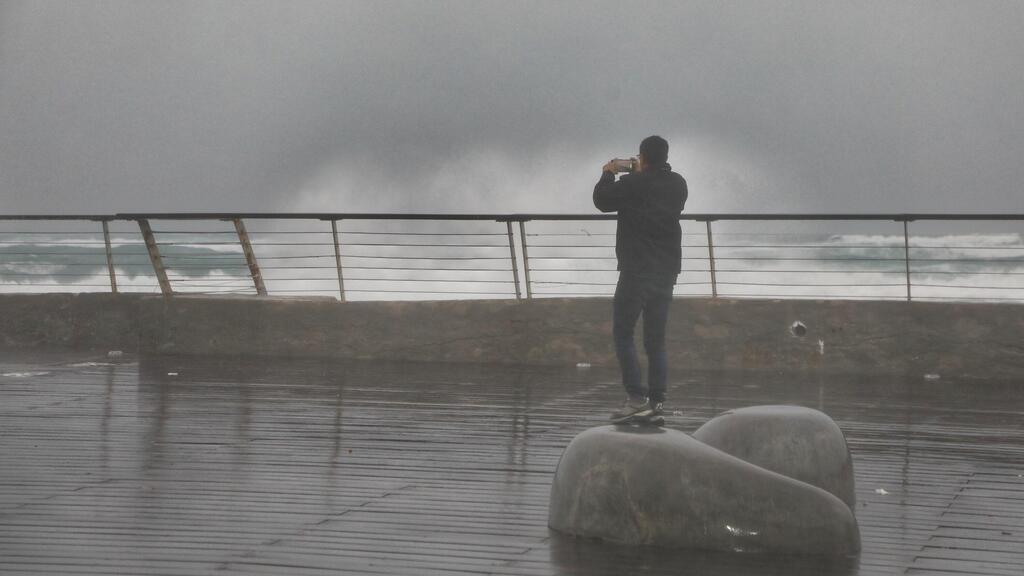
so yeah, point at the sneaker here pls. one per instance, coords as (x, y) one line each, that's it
(657, 409)
(633, 408)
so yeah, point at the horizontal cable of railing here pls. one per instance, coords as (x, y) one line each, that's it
(903, 217)
(466, 255)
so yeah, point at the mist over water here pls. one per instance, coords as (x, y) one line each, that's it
(489, 107)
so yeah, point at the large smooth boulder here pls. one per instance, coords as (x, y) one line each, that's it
(661, 487)
(801, 443)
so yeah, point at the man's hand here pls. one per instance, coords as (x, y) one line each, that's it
(609, 167)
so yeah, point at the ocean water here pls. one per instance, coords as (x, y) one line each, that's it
(448, 260)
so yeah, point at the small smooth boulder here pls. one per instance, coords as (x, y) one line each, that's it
(654, 486)
(798, 442)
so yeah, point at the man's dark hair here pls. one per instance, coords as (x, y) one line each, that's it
(655, 150)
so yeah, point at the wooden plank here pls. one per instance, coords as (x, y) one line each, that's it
(110, 257)
(154, 257)
(362, 468)
(250, 257)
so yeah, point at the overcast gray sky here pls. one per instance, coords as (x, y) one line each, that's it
(114, 106)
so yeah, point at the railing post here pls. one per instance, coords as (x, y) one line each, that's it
(512, 252)
(906, 254)
(110, 258)
(250, 257)
(526, 259)
(711, 260)
(337, 259)
(154, 257)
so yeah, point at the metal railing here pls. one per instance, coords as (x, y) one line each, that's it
(417, 256)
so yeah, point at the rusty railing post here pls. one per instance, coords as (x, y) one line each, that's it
(110, 258)
(711, 260)
(250, 257)
(154, 257)
(337, 259)
(526, 259)
(906, 254)
(512, 253)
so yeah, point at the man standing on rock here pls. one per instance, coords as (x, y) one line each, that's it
(648, 246)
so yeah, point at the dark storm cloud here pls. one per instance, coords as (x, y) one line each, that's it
(472, 106)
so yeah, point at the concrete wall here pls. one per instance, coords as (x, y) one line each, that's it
(841, 336)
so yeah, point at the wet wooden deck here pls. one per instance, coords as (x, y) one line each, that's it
(179, 466)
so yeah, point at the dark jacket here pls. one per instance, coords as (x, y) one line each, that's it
(648, 239)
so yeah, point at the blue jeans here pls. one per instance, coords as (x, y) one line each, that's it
(650, 296)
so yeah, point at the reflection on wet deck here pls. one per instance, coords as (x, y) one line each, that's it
(186, 466)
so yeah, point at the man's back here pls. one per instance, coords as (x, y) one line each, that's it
(648, 238)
